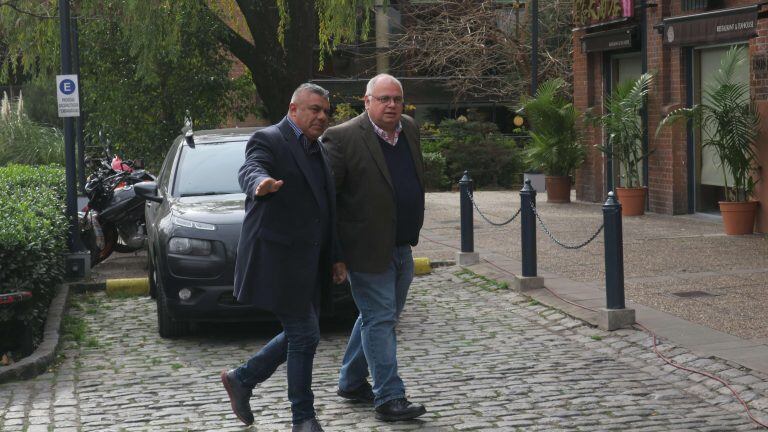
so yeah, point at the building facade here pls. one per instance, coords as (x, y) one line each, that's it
(681, 43)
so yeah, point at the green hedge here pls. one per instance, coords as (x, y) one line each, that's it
(33, 232)
(492, 159)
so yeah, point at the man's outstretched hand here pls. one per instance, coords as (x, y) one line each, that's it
(268, 185)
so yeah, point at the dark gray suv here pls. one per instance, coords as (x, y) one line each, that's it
(194, 213)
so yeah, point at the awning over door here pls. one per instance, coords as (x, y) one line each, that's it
(609, 40)
(722, 25)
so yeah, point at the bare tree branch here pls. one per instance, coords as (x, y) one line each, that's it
(483, 49)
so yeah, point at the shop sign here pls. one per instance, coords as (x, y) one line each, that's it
(610, 40)
(711, 27)
(596, 11)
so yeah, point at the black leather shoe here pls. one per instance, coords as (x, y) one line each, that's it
(399, 409)
(239, 396)
(364, 393)
(311, 425)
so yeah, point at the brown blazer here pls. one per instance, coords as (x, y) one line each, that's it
(365, 197)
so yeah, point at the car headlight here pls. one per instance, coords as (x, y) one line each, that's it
(192, 224)
(188, 246)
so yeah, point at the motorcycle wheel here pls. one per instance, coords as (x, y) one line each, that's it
(110, 239)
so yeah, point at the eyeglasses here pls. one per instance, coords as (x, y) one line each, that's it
(385, 100)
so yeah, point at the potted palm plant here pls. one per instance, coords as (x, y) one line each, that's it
(623, 129)
(554, 147)
(729, 124)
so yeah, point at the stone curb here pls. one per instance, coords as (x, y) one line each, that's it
(39, 361)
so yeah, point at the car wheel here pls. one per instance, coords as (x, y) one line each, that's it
(168, 327)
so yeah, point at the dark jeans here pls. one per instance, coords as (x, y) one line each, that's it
(296, 343)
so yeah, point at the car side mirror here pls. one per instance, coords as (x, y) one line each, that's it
(148, 191)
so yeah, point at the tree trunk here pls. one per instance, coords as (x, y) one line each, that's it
(274, 73)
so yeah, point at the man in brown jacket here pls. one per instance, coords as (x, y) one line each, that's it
(378, 168)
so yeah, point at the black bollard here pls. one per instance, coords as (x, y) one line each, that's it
(467, 222)
(528, 229)
(614, 253)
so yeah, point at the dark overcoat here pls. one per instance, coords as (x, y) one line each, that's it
(367, 219)
(281, 263)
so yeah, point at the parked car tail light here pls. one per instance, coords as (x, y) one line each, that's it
(188, 246)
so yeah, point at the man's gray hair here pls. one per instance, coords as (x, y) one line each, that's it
(377, 78)
(309, 87)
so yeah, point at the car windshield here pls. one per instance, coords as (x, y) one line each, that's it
(209, 169)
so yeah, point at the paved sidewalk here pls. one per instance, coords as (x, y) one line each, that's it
(480, 357)
(688, 282)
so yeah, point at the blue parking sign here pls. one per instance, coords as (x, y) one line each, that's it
(67, 96)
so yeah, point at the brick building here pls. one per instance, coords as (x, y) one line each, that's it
(681, 43)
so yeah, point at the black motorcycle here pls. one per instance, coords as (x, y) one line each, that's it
(113, 219)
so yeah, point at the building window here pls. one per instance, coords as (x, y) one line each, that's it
(689, 5)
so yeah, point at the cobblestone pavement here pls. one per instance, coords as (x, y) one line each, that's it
(664, 256)
(479, 356)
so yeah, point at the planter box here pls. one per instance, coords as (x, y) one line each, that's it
(537, 181)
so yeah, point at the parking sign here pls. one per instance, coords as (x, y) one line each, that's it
(68, 96)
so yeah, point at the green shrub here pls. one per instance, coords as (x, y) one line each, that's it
(491, 158)
(434, 172)
(344, 112)
(554, 147)
(24, 141)
(33, 233)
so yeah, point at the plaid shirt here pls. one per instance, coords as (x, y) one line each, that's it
(385, 136)
(309, 147)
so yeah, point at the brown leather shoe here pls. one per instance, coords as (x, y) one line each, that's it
(239, 396)
(399, 409)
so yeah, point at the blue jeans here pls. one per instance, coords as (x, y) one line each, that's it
(380, 297)
(296, 343)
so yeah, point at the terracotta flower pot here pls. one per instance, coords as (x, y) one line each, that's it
(632, 201)
(738, 217)
(558, 189)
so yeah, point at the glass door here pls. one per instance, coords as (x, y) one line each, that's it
(625, 67)
(708, 173)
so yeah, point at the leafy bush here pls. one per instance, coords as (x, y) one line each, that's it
(32, 239)
(40, 103)
(343, 112)
(24, 141)
(554, 146)
(491, 158)
(434, 172)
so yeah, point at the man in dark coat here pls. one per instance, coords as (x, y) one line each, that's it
(287, 250)
(379, 172)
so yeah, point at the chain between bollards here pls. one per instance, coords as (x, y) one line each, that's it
(517, 213)
(561, 244)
